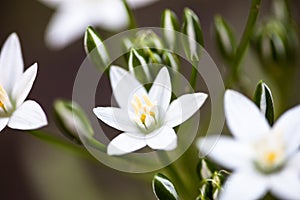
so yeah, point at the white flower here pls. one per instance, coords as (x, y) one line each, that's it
(72, 17)
(15, 87)
(147, 118)
(262, 158)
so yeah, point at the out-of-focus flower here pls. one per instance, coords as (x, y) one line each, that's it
(72, 17)
(147, 118)
(262, 158)
(15, 87)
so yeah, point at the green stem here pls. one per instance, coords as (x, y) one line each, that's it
(173, 171)
(53, 140)
(193, 77)
(242, 47)
(132, 22)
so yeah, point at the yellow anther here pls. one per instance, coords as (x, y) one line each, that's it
(147, 100)
(271, 157)
(143, 118)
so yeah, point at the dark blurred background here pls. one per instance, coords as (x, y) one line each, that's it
(31, 169)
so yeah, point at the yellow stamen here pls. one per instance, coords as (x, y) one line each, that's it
(3, 98)
(143, 118)
(138, 102)
(271, 157)
(135, 108)
(147, 100)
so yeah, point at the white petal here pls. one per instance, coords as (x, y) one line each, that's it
(288, 124)
(3, 122)
(124, 86)
(110, 15)
(24, 84)
(286, 185)
(244, 119)
(125, 143)
(11, 62)
(161, 89)
(183, 108)
(226, 151)
(67, 25)
(28, 116)
(164, 138)
(244, 185)
(116, 118)
(139, 3)
(294, 162)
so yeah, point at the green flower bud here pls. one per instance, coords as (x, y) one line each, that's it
(170, 25)
(225, 39)
(264, 100)
(163, 188)
(276, 43)
(138, 66)
(171, 60)
(72, 121)
(192, 28)
(95, 49)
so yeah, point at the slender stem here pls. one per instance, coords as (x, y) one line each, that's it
(173, 171)
(53, 140)
(242, 47)
(193, 77)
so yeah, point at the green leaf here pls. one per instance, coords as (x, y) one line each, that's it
(95, 49)
(72, 121)
(138, 66)
(163, 188)
(264, 101)
(192, 28)
(225, 39)
(170, 24)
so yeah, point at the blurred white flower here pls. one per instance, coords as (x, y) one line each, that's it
(72, 17)
(147, 118)
(262, 158)
(15, 87)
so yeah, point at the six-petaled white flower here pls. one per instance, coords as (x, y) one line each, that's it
(147, 118)
(74, 16)
(15, 87)
(262, 158)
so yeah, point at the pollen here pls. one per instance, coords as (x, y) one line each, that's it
(271, 157)
(143, 118)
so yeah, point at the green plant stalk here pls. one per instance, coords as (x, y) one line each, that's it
(193, 77)
(53, 140)
(243, 44)
(175, 174)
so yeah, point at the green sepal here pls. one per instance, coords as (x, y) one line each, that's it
(71, 120)
(170, 26)
(163, 188)
(192, 28)
(95, 49)
(264, 100)
(225, 38)
(138, 66)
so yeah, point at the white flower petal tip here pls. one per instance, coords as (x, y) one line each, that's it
(183, 108)
(242, 114)
(28, 116)
(124, 144)
(23, 86)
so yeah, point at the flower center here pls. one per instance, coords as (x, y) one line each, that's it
(270, 153)
(146, 113)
